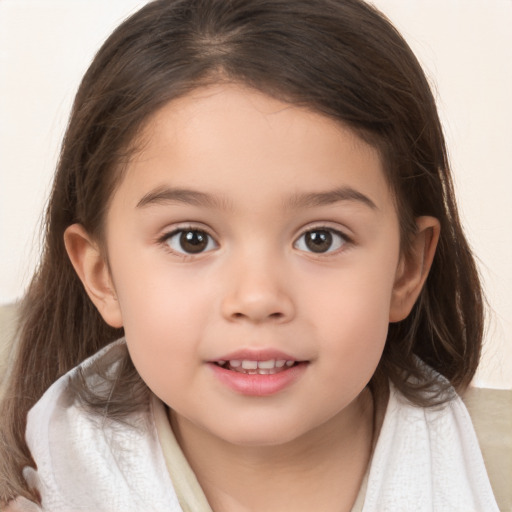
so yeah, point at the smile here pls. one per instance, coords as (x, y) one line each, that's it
(251, 367)
(258, 373)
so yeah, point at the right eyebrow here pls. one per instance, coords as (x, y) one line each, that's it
(165, 195)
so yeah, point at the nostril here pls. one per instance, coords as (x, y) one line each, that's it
(274, 316)
(257, 306)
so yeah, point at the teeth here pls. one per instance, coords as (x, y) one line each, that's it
(266, 365)
(258, 367)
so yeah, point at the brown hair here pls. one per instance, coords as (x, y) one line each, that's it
(341, 58)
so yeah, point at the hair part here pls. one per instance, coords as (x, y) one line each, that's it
(340, 58)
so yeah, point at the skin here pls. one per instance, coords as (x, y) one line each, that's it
(255, 162)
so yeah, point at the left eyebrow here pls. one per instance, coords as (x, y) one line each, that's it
(312, 199)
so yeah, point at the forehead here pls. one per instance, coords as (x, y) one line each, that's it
(233, 140)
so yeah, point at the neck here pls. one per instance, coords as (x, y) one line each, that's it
(321, 470)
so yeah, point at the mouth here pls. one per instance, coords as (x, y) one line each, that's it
(253, 367)
(258, 373)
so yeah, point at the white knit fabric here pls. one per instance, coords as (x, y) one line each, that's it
(424, 460)
(87, 463)
(428, 460)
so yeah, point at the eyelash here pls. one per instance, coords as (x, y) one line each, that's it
(211, 244)
(332, 233)
(166, 238)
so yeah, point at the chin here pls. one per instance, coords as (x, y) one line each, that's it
(262, 435)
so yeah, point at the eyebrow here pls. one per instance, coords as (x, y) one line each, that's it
(164, 195)
(312, 199)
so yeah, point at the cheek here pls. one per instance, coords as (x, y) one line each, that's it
(356, 331)
(353, 317)
(162, 321)
(356, 298)
(156, 297)
(353, 345)
(163, 343)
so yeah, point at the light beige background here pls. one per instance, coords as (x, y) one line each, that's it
(464, 45)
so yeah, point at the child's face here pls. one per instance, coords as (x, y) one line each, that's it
(249, 229)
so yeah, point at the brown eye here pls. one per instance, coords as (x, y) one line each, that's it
(190, 241)
(320, 241)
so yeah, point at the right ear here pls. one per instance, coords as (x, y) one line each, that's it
(92, 269)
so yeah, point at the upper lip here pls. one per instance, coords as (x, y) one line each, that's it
(256, 355)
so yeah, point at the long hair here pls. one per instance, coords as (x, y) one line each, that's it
(341, 58)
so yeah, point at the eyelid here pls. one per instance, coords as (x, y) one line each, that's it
(183, 226)
(333, 226)
(175, 230)
(347, 240)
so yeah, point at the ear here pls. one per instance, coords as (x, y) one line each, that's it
(413, 268)
(92, 269)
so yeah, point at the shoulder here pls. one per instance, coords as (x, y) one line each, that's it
(427, 459)
(88, 462)
(491, 414)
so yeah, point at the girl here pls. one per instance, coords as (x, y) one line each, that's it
(253, 198)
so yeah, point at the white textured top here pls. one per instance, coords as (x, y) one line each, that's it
(424, 460)
(190, 494)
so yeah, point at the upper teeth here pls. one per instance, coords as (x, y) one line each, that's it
(247, 364)
(251, 367)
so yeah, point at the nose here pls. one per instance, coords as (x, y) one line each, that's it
(258, 291)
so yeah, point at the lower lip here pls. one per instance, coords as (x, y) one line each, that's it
(259, 385)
